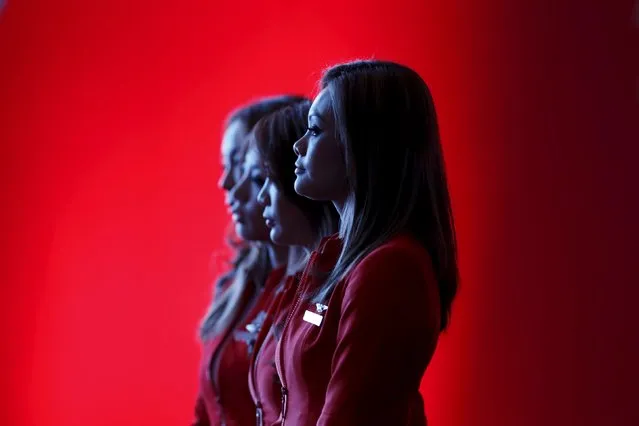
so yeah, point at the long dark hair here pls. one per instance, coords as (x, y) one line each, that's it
(251, 262)
(274, 136)
(253, 112)
(385, 120)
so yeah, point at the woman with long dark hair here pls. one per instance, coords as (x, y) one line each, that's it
(231, 323)
(294, 221)
(372, 301)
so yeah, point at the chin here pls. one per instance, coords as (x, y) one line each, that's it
(303, 187)
(242, 232)
(247, 233)
(307, 188)
(276, 237)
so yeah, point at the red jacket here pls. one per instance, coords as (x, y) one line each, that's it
(362, 365)
(224, 398)
(264, 383)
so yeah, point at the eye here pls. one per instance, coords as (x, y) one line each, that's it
(314, 130)
(258, 180)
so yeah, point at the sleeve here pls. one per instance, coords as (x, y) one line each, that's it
(388, 325)
(200, 416)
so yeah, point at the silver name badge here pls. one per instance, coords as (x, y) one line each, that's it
(313, 318)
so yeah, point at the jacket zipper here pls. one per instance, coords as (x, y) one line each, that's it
(279, 366)
(259, 415)
(259, 411)
(253, 385)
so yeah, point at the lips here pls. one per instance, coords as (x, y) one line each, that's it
(229, 206)
(236, 215)
(299, 168)
(270, 222)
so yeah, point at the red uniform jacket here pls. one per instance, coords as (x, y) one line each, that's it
(362, 365)
(224, 398)
(264, 383)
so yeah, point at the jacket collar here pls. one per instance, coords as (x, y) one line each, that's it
(328, 252)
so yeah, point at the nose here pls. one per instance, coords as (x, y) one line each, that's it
(262, 196)
(299, 147)
(226, 180)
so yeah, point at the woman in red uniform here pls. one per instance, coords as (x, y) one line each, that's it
(356, 343)
(232, 321)
(294, 221)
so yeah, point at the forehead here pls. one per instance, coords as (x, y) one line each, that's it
(322, 105)
(233, 138)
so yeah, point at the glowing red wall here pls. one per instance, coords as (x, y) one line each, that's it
(110, 118)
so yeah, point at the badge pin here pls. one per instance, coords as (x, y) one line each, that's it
(320, 308)
(313, 318)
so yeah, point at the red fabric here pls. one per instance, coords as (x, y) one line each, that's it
(264, 383)
(364, 363)
(232, 404)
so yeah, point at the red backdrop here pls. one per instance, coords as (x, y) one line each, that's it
(110, 124)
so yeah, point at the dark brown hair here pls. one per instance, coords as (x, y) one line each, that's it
(274, 136)
(251, 113)
(385, 120)
(251, 262)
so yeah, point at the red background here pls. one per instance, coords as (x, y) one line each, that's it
(110, 122)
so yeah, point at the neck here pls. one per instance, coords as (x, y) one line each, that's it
(297, 256)
(278, 255)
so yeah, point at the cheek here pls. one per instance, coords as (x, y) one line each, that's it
(287, 213)
(328, 163)
(338, 160)
(252, 205)
(315, 163)
(279, 205)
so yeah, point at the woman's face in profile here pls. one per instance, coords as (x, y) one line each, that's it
(245, 209)
(320, 169)
(287, 223)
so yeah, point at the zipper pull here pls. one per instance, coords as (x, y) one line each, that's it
(284, 401)
(259, 415)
